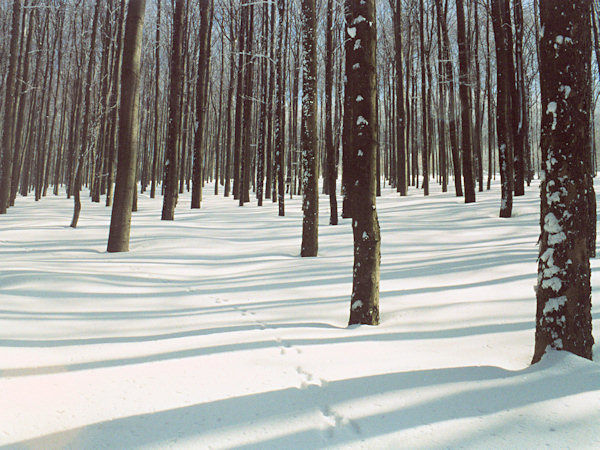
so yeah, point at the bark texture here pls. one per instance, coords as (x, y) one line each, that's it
(563, 318)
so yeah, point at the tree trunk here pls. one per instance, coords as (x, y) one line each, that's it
(424, 109)
(400, 141)
(174, 125)
(503, 105)
(563, 317)
(9, 111)
(310, 188)
(465, 104)
(120, 222)
(205, 29)
(157, 128)
(330, 148)
(364, 306)
(449, 72)
(519, 103)
(85, 144)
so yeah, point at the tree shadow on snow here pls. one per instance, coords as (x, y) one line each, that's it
(270, 419)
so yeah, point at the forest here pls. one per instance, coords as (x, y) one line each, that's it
(306, 183)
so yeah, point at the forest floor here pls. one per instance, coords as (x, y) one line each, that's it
(212, 332)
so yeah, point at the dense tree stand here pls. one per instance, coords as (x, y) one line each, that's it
(563, 319)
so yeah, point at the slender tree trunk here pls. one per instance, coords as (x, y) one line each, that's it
(465, 104)
(174, 124)
(85, 140)
(400, 141)
(120, 223)
(518, 106)
(157, 128)
(246, 128)
(115, 94)
(9, 111)
(503, 105)
(449, 72)
(424, 110)
(330, 149)
(201, 102)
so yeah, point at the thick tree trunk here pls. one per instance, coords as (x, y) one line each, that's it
(120, 222)
(563, 317)
(364, 306)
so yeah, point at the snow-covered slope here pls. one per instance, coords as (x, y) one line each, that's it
(212, 332)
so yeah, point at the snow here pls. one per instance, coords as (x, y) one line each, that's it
(551, 109)
(212, 332)
(554, 304)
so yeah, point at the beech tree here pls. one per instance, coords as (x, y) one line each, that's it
(201, 91)
(504, 103)
(120, 220)
(9, 105)
(174, 124)
(563, 316)
(465, 104)
(310, 188)
(363, 123)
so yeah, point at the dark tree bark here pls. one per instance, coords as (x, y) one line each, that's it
(504, 129)
(519, 104)
(441, 116)
(246, 125)
(9, 111)
(174, 124)
(348, 152)
(424, 105)
(330, 148)
(279, 187)
(120, 222)
(449, 78)
(465, 104)
(310, 188)
(201, 101)
(400, 141)
(239, 109)
(157, 127)
(114, 101)
(86, 121)
(231, 90)
(563, 317)
(364, 306)
(22, 128)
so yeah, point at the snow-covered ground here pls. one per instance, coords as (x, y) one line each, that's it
(212, 332)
